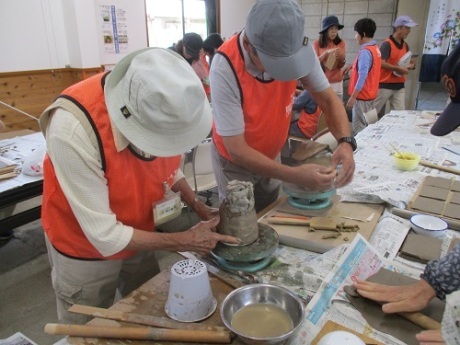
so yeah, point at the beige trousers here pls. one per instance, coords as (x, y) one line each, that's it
(397, 99)
(96, 283)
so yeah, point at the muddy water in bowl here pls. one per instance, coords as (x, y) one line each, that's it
(262, 320)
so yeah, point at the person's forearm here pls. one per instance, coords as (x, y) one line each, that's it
(186, 192)
(389, 66)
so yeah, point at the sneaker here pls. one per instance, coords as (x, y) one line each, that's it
(6, 235)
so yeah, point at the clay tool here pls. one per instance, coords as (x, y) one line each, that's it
(140, 333)
(397, 151)
(141, 319)
(440, 167)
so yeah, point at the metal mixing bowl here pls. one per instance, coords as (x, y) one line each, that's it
(263, 293)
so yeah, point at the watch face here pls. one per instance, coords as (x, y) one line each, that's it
(349, 140)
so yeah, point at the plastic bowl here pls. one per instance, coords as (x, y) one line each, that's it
(408, 162)
(265, 294)
(190, 297)
(427, 225)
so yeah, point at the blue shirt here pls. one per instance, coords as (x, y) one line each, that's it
(364, 65)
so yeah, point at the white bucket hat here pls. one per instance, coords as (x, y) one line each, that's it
(157, 102)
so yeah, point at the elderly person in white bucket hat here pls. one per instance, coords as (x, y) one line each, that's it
(253, 78)
(112, 175)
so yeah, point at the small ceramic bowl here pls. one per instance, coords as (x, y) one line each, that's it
(427, 225)
(340, 337)
(408, 161)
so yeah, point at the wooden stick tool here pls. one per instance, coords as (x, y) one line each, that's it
(140, 333)
(141, 319)
(440, 167)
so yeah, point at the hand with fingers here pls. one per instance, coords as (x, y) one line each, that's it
(315, 177)
(202, 239)
(343, 155)
(407, 298)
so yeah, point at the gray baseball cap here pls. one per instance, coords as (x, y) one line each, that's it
(404, 21)
(276, 29)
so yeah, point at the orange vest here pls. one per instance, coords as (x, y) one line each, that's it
(335, 75)
(266, 105)
(308, 123)
(396, 53)
(371, 85)
(133, 182)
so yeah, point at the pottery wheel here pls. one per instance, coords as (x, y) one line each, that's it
(305, 199)
(263, 247)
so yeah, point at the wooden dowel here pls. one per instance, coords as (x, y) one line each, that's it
(139, 333)
(287, 221)
(421, 320)
(440, 167)
(147, 320)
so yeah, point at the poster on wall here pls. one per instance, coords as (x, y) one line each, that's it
(121, 29)
(114, 28)
(442, 33)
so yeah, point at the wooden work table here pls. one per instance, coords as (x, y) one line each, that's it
(11, 197)
(150, 299)
(303, 271)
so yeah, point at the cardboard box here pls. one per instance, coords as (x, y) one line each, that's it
(331, 62)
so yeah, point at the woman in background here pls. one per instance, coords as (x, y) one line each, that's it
(330, 49)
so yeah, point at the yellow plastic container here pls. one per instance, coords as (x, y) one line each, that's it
(408, 161)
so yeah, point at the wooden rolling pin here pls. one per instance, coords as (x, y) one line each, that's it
(147, 320)
(287, 221)
(440, 167)
(140, 333)
(415, 317)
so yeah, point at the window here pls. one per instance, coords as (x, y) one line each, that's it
(167, 21)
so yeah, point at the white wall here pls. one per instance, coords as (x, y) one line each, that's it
(47, 34)
(32, 35)
(233, 15)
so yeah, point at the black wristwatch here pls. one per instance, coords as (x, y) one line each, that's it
(349, 140)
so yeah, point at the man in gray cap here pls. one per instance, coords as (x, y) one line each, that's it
(253, 78)
(111, 176)
(397, 61)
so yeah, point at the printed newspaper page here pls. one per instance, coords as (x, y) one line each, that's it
(376, 179)
(17, 339)
(360, 260)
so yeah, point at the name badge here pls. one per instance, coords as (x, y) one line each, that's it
(167, 208)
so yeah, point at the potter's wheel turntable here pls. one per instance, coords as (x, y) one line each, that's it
(305, 199)
(249, 258)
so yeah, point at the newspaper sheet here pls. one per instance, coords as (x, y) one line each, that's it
(17, 150)
(360, 260)
(376, 179)
(17, 339)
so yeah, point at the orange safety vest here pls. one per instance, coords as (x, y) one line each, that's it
(371, 85)
(308, 123)
(134, 183)
(396, 53)
(267, 105)
(335, 75)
